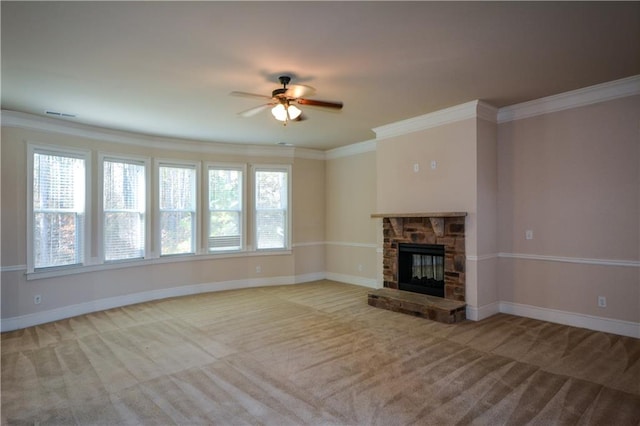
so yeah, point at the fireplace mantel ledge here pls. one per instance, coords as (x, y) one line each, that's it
(438, 214)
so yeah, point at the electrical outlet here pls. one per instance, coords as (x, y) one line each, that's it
(528, 234)
(258, 269)
(434, 164)
(602, 302)
(416, 167)
(359, 267)
(37, 299)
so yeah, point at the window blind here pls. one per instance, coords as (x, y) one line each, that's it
(225, 208)
(124, 208)
(271, 200)
(177, 199)
(58, 209)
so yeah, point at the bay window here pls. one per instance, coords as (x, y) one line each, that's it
(232, 202)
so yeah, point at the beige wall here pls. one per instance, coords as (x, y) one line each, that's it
(309, 195)
(450, 187)
(571, 287)
(351, 198)
(305, 261)
(350, 230)
(572, 177)
(487, 187)
(487, 195)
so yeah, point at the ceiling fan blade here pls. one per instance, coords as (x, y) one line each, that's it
(325, 104)
(296, 91)
(249, 95)
(253, 111)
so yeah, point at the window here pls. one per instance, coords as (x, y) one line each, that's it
(177, 208)
(58, 213)
(124, 208)
(60, 197)
(271, 207)
(225, 207)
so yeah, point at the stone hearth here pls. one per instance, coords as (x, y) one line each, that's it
(420, 305)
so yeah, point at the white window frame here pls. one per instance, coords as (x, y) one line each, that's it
(102, 157)
(207, 212)
(271, 168)
(32, 149)
(197, 244)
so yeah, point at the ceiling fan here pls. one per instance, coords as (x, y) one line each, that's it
(282, 101)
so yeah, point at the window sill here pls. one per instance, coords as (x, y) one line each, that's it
(72, 270)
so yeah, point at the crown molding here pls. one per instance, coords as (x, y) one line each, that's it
(473, 109)
(308, 154)
(33, 122)
(487, 112)
(611, 90)
(349, 150)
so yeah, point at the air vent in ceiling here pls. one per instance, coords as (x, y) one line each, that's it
(59, 114)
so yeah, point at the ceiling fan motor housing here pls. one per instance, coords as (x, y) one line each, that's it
(284, 80)
(278, 92)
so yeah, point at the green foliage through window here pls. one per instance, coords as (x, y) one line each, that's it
(225, 209)
(177, 198)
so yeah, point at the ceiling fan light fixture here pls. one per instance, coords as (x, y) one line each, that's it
(279, 112)
(285, 113)
(294, 112)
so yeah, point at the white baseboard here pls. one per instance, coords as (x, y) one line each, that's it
(15, 323)
(477, 314)
(620, 327)
(352, 279)
(305, 278)
(607, 325)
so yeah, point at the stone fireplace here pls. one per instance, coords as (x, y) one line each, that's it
(433, 269)
(446, 229)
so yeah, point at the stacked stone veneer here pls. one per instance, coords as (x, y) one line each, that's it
(449, 231)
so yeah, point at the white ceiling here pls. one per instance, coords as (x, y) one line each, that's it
(167, 68)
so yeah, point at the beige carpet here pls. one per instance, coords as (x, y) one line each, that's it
(313, 354)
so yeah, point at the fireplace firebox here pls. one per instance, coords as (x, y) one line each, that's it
(421, 268)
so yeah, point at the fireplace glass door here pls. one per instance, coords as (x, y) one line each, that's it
(421, 268)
